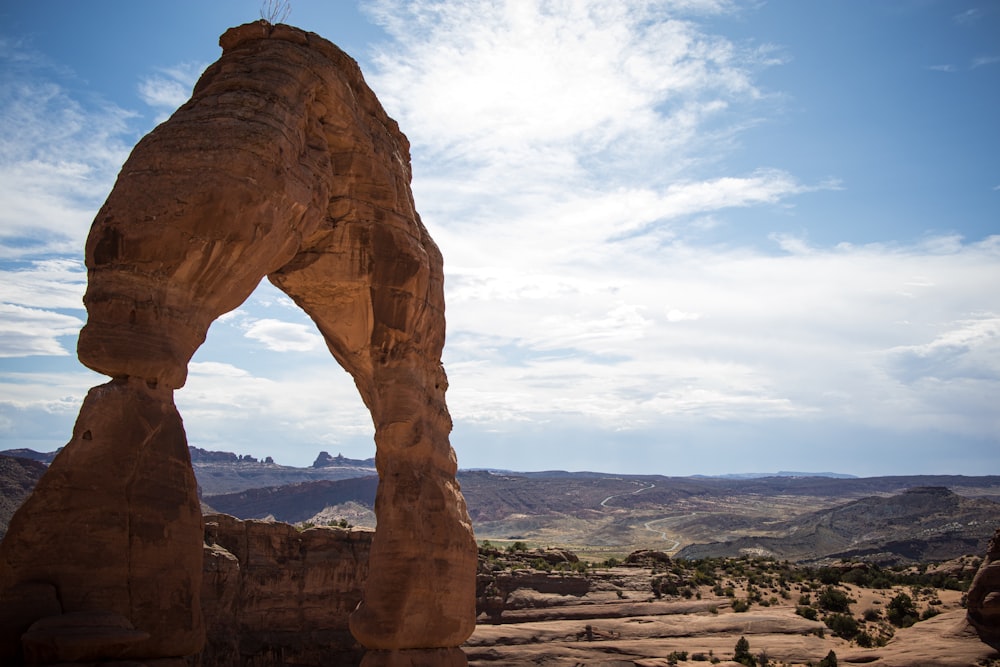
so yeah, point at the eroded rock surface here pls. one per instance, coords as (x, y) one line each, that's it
(984, 595)
(276, 595)
(283, 164)
(114, 524)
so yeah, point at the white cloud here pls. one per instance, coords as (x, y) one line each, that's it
(58, 159)
(49, 283)
(983, 61)
(528, 93)
(567, 160)
(30, 331)
(283, 336)
(170, 87)
(292, 413)
(793, 336)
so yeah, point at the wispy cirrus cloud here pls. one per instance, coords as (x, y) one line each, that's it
(169, 87)
(567, 160)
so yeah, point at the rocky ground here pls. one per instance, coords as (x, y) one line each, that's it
(544, 608)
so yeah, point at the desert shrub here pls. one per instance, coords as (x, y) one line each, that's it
(805, 600)
(742, 653)
(930, 612)
(541, 564)
(865, 640)
(740, 606)
(807, 613)
(901, 611)
(712, 609)
(871, 615)
(516, 547)
(829, 661)
(829, 576)
(699, 657)
(843, 625)
(833, 600)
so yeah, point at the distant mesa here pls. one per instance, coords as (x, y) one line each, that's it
(199, 455)
(780, 473)
(324, 460)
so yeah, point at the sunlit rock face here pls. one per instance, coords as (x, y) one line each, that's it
(283, 164)
(984, 594)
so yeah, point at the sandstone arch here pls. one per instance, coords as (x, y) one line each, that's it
(283, 164)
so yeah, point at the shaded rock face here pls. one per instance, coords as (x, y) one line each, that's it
(283, 164)
(984, 595)
(274, 595)
(115, 524)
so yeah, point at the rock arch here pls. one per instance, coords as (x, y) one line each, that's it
(283, 164)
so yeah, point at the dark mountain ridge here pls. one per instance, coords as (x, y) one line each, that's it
(18, 477)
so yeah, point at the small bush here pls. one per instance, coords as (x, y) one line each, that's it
(833, 600)
(930, 612)
(901, 611)
(740, 606)
(742, 653)
(843, 625)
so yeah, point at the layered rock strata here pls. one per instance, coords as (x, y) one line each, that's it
(984, 595)
(283, 164)
(274, 595)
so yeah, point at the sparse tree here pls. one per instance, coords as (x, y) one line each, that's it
(742, 653)
(275, 11)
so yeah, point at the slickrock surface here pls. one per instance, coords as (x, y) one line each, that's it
(283, 164)
(270, 590)
(984, 595)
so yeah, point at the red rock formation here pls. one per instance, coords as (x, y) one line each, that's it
(283, 164)
(270, 590)
(115, 524)
(984, 595)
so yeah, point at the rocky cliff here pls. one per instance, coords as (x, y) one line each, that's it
(283, 164)
(273, 595)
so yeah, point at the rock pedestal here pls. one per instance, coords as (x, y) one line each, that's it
(283, 164)
(115, 525)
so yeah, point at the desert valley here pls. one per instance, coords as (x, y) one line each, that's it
(588, 568)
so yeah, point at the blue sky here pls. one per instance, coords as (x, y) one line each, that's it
(680, 236)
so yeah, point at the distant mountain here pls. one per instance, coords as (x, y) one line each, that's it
(18, 476)
(226, 473)
(296, 502)
(920, 524)
(324, 460)
(44, 457)
(780, 473)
